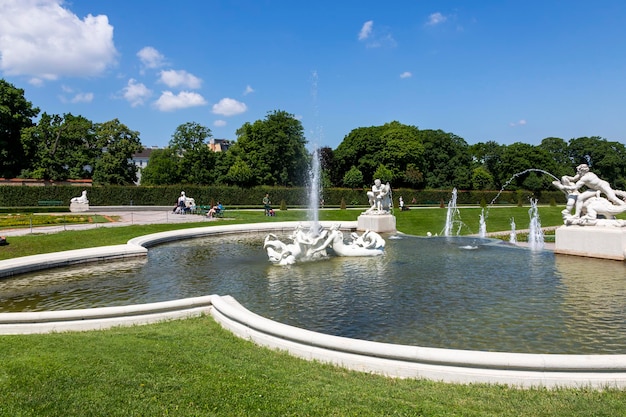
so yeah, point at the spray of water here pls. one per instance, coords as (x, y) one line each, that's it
(315, 190)
(452, 216)
(482, 224)
(506, 184)
(513, 234)
(535, 234)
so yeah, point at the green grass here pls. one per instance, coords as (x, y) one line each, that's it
(195, 368)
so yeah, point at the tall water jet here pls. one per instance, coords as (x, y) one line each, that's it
(315, 189)
(535, 234)
(513, 234)
(482, 224)
(451, 215)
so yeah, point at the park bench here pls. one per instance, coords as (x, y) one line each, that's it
(49, 202)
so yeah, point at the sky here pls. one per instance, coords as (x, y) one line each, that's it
(488, 70)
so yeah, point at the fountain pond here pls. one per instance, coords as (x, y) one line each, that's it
(451, 292)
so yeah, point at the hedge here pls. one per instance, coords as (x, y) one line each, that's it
(28, 196)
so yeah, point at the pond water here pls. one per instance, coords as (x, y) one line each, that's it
(452, 292)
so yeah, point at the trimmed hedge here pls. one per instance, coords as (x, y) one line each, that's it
(25, 196)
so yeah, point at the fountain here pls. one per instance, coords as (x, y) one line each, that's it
(312, 243)
(482, 224)
(513, 234)
(592, 230)
(427, 309)
(453, 216)
(535, 234)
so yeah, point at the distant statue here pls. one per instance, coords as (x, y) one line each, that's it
(589, 204)
(379, 198)
(82, 199)
(78, 204)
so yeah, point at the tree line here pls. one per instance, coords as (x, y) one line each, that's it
(272, 152)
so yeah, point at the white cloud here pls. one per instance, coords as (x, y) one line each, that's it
(366, 30)
(375, 38)
(435, 19)
(181, 78)
(522, 122)
(82, 98)
(219, 123)
(136, 93)
(150, 57)
(170, 101)
(248, 90)
(229, 107)
(44, 40)
(406, 74)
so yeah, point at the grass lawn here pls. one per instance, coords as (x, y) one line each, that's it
(193, 367)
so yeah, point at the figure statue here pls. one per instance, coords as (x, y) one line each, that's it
(589, 204)
(379, 198)
(307, 245)
(82, 199)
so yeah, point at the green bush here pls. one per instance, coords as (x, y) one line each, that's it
(28, 196)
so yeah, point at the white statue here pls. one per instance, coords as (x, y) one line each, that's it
(589, 204)
(78, 204)
(379, 198)
(82, 199)
(312, 244)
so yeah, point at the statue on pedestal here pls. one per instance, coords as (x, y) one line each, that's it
(81, 203)
(379, 198)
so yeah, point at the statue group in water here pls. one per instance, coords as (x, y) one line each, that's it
(591, 198)
(313, 243)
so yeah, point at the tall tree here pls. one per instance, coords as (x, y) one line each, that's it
(274, 149)
(190, 142)
(60, 147)
(448, 160)
(606, 159)
(396, 146)
(118, 144)
(162, 169)
(16, 113)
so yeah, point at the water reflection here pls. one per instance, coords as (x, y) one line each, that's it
(444, 292)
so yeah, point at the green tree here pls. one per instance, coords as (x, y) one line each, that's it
(60, 147)
(489, 156)
(606, 159)
(384, 174)
(447, 160)
(394, 145)
(162, 168)
(190, 142)
(16, 113)
(240, 174)
(118, 143)
(520, 160)
(558, 150)
(481, 179)
(353, 178)
(274, 149)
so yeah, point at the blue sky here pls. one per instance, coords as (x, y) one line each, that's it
(508, 71)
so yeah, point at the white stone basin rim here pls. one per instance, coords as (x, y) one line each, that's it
(450, 365)
(103, 317)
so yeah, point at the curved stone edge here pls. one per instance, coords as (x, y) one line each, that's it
(449, 365)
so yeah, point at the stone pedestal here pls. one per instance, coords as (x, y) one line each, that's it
(79, 207)
(379, 223)
(591, 241)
